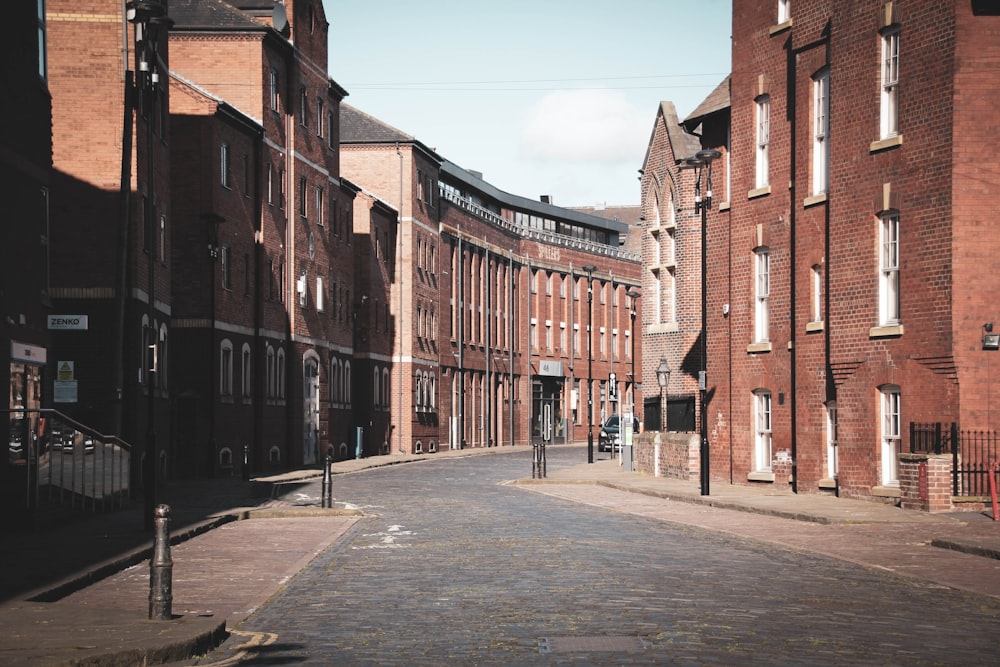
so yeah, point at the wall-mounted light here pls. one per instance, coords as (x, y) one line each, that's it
(991, 341)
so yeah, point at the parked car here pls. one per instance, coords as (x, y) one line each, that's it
(610, 436)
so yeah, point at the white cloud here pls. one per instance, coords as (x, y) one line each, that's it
(596, 126)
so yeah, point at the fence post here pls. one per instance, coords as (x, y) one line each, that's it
(954, 459)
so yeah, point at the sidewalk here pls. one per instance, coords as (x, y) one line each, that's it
(63, 620)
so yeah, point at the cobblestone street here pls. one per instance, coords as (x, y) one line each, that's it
(454, 567)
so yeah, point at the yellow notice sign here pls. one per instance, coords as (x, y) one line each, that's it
(65, 371)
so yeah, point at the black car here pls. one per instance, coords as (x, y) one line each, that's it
(610, 436)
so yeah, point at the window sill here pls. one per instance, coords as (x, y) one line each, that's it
(813, 327)
(663, 327)
(757, 348)
(814, 200)
(759, 192)
(779, 28)
(827, 483)
(760, 477)
(891, 331)
(724, 206)
(885, 144)
(886, 491)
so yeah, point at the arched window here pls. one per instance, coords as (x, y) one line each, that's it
(347, 382)
(161, 359)
(375, 387)
(271, 383)
(280, 387)
(334, 380)
(226, 368)
(433, 393)
(418, 396)
(144, 360)
(386, 388)
(247, 380)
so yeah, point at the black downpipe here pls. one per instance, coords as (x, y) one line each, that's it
(790, 114)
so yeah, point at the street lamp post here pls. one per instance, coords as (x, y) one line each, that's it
(663, 378)
(589, 269)
(149, 17)
(633, 296)
(702, 164)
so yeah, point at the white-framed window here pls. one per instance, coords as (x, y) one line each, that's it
(784, 10)
(226, 267)
(347, 383)
(418, 391)
(763, 140)
(376, 390)
(275, 88)
(762, 294)
(821, 130)
(762, 430)
(548, 335)
(226, 368)
(890, 400)
(320, 294)
(604, 343)
(281, 188)
(816, 293)
(303, 198)
(303, 107)
(534, 333)
(224, 165)
(246, 378)
(280, 379)
(271, 387)
(888, 287)
(319, 206)
(831, 438)
(42, 48)
(889, 103)
(320, 116)
(270, 184)
(330, 142)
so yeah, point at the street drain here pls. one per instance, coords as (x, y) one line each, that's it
(591, 644)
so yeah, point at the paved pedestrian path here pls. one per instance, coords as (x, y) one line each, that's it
(222, 573)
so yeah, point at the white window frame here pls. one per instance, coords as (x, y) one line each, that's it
(832, 428)
(821, 132)
(762, 294)
(246, 378)
(889, 101)
(226, 368)
(888, 298)
(890, 434)
(763, 140)
(816, 292)
(224, 165)
(320, 300)
(226, 267)
(784, 11)
(275, 90)
(762, 441)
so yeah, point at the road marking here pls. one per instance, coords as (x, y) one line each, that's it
(245, 651)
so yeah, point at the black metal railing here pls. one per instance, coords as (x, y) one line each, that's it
(973, 454)
(64, 463)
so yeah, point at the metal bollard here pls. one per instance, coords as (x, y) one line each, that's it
(327, 484)
(161, 568)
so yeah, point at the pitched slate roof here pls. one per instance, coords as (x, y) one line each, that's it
(357, 127)
(717, 100)
(211, 15)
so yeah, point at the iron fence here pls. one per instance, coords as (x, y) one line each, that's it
(973, 454)
(67, 464)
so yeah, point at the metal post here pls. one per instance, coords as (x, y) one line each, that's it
(161, 569)
(590, 268)
(327, 484)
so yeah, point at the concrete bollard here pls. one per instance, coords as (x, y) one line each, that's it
(161, 568)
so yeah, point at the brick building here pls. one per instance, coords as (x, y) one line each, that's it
(853, 264)
(490, 301)
(25, 171)
(265, 244)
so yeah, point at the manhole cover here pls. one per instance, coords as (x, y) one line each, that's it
(591, 644)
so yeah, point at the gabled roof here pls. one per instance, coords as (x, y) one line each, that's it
(681, 143)
(357, 127)
(717, 100)
(211, 15)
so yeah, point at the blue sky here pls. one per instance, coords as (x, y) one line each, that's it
(545, 97)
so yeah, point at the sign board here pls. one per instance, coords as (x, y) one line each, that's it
(27, 354)
(550, 368)
(65, 371)
(64, 391)
(68, 322)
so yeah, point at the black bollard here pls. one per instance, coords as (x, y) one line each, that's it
(327, 484)
(161, 568)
